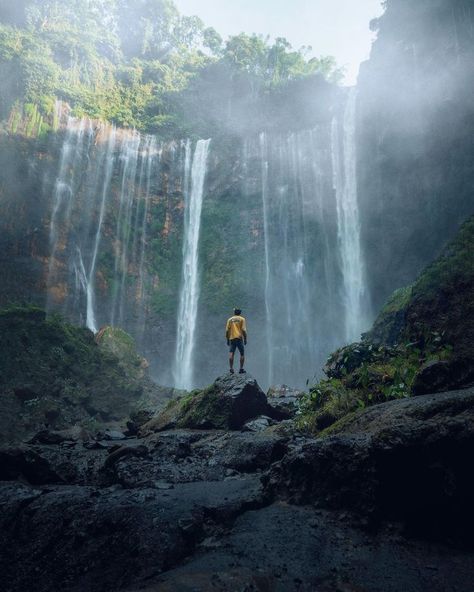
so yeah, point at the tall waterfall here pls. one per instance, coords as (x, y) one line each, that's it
(194, 178)
(91, 321)
(299, 268)
(123, 253)
(99, 223)
(348, 224)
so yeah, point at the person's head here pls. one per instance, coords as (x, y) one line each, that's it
(237, 311)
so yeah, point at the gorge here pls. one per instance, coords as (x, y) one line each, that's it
(130, 243)
(153, 176)
(304, 225)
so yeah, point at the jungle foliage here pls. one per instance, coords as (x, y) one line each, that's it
(129, 61)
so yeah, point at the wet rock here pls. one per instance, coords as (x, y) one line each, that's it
(401, 460)
(113, 435)
(138, 419)
(431, 378)
(258, 424)
(227, 404)
(24, 463)
(438, 375)
(105, 539)
(284, 400)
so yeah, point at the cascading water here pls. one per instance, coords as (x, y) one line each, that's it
(300, 270)
(115, 223)
(71, 160)
(128, 159)
(194, 179)
(91, 322)
(95, 158)
(348, 224)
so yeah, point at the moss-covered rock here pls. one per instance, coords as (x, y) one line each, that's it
(55, 375)
(226, 405)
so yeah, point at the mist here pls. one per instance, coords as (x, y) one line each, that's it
(236, 295)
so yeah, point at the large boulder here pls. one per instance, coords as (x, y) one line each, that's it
(404, 460)
(230, 402)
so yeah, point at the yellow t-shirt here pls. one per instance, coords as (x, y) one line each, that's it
(235, 328)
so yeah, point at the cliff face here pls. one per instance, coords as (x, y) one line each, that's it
(105, 210)
(415, 139)
(92, 218)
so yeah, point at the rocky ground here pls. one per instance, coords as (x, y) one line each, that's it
(383, 503)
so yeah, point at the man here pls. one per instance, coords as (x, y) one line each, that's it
(236, 335)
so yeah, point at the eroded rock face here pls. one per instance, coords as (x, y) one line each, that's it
(403, 460)
(229, 403)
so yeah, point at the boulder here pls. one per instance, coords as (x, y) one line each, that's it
(73, 434)
(259, 424)
(283, 401)
(439, 375)
(404, 460)
(432, 377)
(227, 404)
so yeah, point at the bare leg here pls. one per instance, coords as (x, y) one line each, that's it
(231, 360)
(242, 362)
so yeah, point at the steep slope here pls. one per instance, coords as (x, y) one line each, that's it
(421, 342)
(55, 375)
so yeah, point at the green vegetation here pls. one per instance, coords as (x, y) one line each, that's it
(54, 373)
(130, 62)
(431, 321)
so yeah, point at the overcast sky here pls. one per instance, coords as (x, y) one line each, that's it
(332, 27)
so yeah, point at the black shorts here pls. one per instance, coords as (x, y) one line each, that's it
(237, 344)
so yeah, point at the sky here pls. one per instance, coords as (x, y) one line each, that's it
(331, 27)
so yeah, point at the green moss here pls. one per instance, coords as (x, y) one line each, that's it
(454, 267)
(398, 301)
(46, 357)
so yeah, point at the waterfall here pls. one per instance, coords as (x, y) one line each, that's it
(99, 223)
(116, 237)
(266, 234)
(77, 140)
(348, 224)
(91, 322)
(299, 268)
(189, 294)
(128, 159)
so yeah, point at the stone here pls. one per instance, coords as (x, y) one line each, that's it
(114, 435)
(283, 401)
(73, 434)
(401, 460)
(431, 377)
(229, 403)
(258, 424)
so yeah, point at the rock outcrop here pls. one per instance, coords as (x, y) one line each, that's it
(229, 403)
(402, 460)
(54, 376)
(421, 342)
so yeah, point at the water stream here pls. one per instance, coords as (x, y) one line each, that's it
(194, 179)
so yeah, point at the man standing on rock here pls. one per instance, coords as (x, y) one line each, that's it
(236, 335)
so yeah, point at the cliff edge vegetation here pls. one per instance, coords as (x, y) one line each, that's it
(422, 342)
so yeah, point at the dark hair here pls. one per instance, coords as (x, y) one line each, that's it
(237, 311)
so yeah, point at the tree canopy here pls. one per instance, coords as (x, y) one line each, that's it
(127, 61)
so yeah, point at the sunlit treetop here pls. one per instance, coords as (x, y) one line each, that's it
(127, 60)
